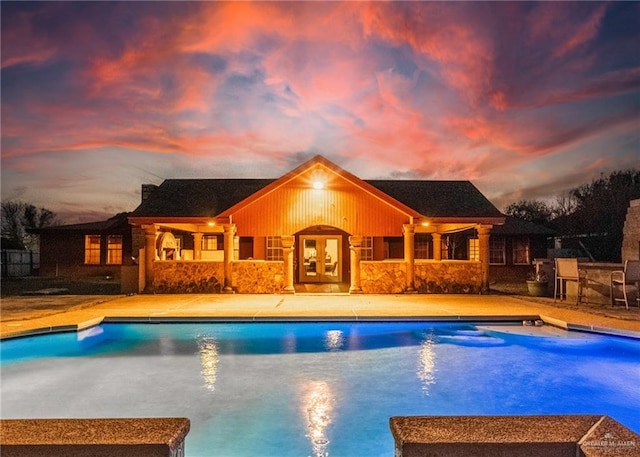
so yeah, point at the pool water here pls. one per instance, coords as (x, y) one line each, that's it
(323, 389)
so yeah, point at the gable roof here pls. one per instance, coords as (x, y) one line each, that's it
(322, 165)
(221, 197)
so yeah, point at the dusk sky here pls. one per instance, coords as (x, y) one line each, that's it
(526, 100)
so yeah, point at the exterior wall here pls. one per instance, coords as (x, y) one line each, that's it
(383, 277)
(62, 255)
(511, 272)
(631, 231)
(257, 277)
(597, 289)
(187, 277)
(296, 205)
(448, 277)
(260, 247)
(249, 277)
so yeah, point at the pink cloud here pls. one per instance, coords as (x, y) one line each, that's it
(405, 89)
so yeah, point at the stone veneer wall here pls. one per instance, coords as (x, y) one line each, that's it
(187, 277)
(431, 277)
(631, 230)
(383, 277)
(448, 277)
(258, 276)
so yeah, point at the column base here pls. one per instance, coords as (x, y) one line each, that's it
(228, 290)
(355, 290)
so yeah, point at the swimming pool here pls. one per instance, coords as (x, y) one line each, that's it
(322, 389)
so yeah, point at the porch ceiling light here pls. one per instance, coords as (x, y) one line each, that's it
(318, 185)
(211, 223)
(425, 223)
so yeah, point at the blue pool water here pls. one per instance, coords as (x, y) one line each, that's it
(324, 389)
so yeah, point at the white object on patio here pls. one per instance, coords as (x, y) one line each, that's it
(630, 276)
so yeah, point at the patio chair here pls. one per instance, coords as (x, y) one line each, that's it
(567, 270)
(630, 276)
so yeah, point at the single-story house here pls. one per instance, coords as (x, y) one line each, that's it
(93, 249)
(514, 246)
(317, 224)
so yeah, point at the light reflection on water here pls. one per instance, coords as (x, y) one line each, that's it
(334, 340)
(427, 363)
(318, 408)
(209, 359)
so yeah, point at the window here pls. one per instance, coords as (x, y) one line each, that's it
(114, 249)
(474, 249)
(211, 242)
(521, 251)
(366, 248)
(92, 249)
(274, 248)
(496, 251)
(422, 245)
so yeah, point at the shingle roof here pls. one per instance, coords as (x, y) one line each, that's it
(110, 224)
(197, 197)
(439, 198)
(209, 197)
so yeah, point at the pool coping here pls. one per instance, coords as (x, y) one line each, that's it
(513, 319)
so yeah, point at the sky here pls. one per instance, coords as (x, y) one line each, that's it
(525, 100)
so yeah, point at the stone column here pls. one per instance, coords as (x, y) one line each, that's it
(287, 253)
(483, 242)
(355, 243)
(408, 231)
(229, 232)
(437, 246)
(150, 234)
(197, 246)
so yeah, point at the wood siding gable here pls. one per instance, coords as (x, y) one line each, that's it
(291, 204)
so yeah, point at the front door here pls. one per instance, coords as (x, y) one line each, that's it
(320, 258)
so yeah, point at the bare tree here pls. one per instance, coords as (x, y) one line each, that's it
(566, 203)
(19, 217)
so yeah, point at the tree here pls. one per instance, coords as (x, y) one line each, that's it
(19, 217)
(591, 214)
(566, 203)
(601, 211)
(535, 211)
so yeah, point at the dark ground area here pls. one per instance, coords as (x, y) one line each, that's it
(99, 286)
(90, 286)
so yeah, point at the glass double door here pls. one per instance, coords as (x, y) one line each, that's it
(320, 258)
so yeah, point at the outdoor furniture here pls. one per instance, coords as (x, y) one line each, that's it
(630, 276)
(567, 270)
